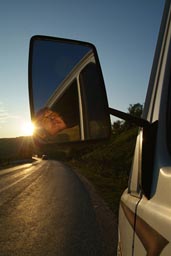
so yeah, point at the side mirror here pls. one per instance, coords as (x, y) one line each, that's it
(66, 89)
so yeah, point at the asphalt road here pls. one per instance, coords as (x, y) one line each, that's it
(46, 210)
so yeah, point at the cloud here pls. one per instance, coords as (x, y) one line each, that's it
(4, 115)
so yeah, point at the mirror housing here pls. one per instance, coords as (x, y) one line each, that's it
(67, 95)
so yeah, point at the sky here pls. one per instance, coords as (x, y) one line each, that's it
(124, 33)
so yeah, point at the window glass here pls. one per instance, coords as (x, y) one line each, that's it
(94, 104)
(68, 108)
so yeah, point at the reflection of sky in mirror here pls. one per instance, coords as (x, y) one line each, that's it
(52, 62)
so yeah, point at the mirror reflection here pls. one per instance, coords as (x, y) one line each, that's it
(67, 92)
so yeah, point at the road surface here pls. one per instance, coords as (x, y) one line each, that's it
(46, 210)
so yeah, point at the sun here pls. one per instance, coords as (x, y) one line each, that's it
(27, 128)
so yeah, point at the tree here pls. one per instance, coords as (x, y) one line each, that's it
(117, 127)
(120, 126)
(135, 109)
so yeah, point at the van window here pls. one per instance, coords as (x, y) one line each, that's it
(94, 109)
(68, 106)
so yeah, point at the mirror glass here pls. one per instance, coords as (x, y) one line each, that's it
(67, 94)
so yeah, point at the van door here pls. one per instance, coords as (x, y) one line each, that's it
(145, 208)
(153, 221)
(129, 203)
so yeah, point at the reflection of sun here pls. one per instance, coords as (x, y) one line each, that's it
(27, 128)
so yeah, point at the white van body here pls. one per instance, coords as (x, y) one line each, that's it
(145, 206)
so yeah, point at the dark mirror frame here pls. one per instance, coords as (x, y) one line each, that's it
(62, 40)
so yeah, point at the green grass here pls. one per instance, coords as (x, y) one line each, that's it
(107, 166)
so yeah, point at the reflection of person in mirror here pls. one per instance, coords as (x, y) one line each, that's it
(51, 122)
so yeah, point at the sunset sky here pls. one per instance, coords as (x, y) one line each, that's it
(124, 33)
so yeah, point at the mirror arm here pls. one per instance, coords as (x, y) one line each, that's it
(127, 117)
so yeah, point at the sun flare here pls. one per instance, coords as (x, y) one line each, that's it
(27, 128)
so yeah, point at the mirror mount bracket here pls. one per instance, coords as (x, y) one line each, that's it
(130, 118)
